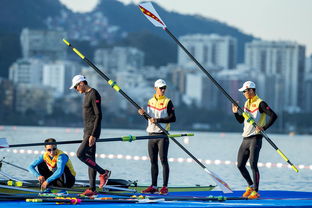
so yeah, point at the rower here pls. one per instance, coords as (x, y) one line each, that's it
(257, 109)
(54, 167)
(162, 111)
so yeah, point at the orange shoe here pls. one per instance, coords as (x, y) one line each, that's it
(254, 195)
(248, 191)
(104, 178)
(89, 192)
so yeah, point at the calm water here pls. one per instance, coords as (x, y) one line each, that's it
(127, 161)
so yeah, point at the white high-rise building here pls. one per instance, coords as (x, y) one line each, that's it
(308, 85)
(26, 71)
(212, 51)
(284, 59)
(59, 74)
(43, 44)
(119, 58)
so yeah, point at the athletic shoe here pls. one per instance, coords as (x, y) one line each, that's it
(164, 190)
(254, 195)
(150, 190)
(248, 191)
(104, 178)
(89, 192)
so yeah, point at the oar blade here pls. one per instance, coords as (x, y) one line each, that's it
(4, 143)
(150, 13)
(222, 184)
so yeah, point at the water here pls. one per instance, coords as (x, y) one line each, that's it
(216, 147)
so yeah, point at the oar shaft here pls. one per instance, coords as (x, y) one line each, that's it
(200, 66)
(42, 143)
(124, 138)
(14, 165)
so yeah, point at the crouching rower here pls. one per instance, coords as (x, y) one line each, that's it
(54, 167)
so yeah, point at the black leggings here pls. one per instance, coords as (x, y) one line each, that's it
(250, 149)
(87, 155)
(160, 146)
(66, 180)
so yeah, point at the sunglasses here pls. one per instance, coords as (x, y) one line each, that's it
(163, 88)
(76, 86)
(245, 90)
(53, 149)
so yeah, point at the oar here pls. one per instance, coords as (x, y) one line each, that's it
(108, 188)
(19, 189)
(63, 200)
(2, 161)
(209, 198)
(20, 182)
(223, 185)
(151, 14)
(4, 142)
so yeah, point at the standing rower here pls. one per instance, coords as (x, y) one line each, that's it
(92, 116)
(161, 109)
(252, 138)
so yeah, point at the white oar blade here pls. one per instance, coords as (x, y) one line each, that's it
(222, 184)
(150, 13)
(4, 143)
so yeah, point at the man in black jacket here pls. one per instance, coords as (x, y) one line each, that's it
(92, 116)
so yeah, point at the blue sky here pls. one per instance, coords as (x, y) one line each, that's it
(288, 20)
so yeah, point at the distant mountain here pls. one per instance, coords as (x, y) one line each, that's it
(111, 23)
(17, 14)
(14, 16)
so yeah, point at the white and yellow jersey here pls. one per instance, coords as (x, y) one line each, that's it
(252, 108)
(157, 108)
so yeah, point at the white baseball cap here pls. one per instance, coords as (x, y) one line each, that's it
(247, 85)
(76, 80)
(160, 83)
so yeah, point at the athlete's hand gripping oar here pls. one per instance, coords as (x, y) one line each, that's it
(151, 14)
(130, 138)
(224, 186)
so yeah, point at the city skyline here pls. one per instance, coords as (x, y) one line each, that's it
(289, 23)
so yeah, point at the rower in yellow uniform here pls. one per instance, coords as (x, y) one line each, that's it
(252, 138)
(53, 167)
(161, 109)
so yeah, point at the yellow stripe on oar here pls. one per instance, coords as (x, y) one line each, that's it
(287, 160)
(248, 118)
(66, 42)
(114, 85)
(74, 49)
(294, 167)
(78, 53)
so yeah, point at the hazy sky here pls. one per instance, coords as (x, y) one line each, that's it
(266, 19)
